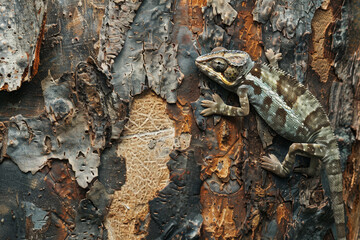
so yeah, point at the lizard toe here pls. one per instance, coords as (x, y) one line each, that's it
(206, 112)
(207, 103)
(272, 164)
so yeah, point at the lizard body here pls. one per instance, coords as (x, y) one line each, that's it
(287, 107)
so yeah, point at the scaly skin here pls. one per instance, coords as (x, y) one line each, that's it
(287, 107)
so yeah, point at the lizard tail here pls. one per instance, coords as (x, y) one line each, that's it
(334, 174)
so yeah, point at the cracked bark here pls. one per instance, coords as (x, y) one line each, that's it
(100, 131)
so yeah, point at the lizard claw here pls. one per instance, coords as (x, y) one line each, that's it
(272, 164)
(207, 103)
(206, 112)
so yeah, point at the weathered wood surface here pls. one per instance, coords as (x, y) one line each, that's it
(106, 141)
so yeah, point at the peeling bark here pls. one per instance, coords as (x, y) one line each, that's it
(21, 29)
(107, 141)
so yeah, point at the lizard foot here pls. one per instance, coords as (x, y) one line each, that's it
(212, 107)
(272, 164)
(272, 57)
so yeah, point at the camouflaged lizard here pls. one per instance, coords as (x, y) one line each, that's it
(287, 107)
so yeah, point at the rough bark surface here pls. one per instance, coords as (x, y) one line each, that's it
(22, 29)
(106, 139)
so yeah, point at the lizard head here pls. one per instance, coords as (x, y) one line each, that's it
(226, 67)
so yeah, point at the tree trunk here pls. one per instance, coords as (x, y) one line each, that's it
(101, 135)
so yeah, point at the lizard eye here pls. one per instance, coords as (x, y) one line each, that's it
(231, 74)
(219, 65)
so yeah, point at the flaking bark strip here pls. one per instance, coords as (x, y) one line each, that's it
(116, 23)
(286, 29)
(28, 148)
(79, 124)
(3, 140)
(291, 19)
(176, 211)
(223, 7)
(148, 59)
(107, 111)
(343, 99)
(38, 206)
(91, 213)
(347, 67)
(21, 27)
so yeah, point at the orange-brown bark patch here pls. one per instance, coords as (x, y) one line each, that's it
(219, 166)
(352, 192)
(283, 216)
(191, 14)
(183, 116)
(5, 86)
(248, 32)
(223, 216)
(36, 62)
(61, 182)
(227, 133)
(320, 62)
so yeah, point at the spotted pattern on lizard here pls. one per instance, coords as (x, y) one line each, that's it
(287, 107)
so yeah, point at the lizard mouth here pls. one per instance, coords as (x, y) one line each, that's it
(210, 72)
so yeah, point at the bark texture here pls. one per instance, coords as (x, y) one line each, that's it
(101, 135)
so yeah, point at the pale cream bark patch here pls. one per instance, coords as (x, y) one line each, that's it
(147, 140)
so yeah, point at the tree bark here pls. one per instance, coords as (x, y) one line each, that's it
(101, 135)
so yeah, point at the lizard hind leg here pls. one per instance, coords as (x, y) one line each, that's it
(312, 150)
(312, 170)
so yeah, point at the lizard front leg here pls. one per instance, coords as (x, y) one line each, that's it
(283, 169)
(219, 107)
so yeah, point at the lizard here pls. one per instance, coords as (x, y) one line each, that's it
(288, 107)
